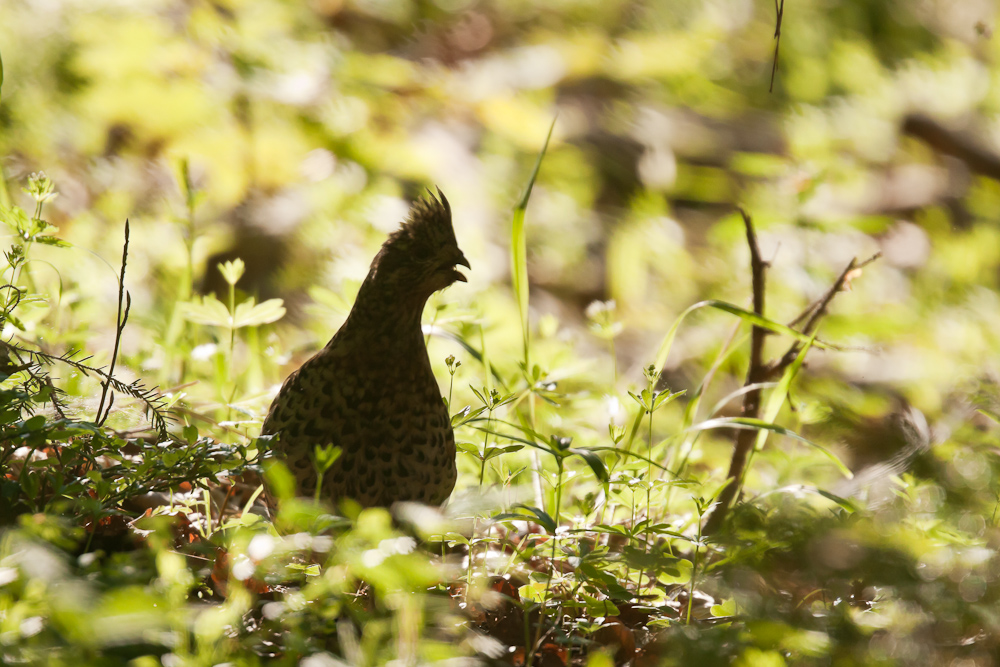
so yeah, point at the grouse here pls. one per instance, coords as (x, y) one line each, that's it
(371, 391)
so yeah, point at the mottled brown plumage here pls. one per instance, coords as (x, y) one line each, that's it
(371, 391)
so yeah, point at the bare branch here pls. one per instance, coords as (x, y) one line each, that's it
(815, 312)
(751, 400)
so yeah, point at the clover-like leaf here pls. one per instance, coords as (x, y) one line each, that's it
(208, 310)
(232, 271)
(250, 315)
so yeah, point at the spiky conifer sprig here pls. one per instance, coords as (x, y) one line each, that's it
(159, 416)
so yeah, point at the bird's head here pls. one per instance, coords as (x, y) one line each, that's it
(420, 257)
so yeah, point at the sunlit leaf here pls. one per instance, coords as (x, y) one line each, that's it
(208, 310)
(250, 315)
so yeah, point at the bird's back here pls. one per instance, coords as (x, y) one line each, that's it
(383, 409)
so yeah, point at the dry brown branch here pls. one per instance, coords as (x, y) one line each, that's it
(751, 400)
(814, 312)
(957, 144)
(759, 372)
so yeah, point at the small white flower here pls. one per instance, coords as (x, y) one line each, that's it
(243, 568)
(7, 575)
(204, 352)
(260, 547)
(31, 626)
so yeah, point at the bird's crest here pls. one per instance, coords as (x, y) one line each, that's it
(427, 228)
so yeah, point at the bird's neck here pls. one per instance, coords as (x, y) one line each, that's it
(380, 317)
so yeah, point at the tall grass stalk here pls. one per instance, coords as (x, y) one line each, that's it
(519, 281)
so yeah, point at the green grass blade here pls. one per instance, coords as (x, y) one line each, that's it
(486, 359)
(733, 395)
(636, 423)
(668, 340)
(770, 325)
(747, 423)
(780, 394)
(519, 248)
(742, 313)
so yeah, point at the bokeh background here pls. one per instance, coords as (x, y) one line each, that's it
(305, 129)
(294, 134)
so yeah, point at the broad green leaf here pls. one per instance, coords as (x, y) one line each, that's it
(249, 315)
(465, 416)
(15, 218)
(597, 607)
(679, 574)
(467, 447)
(208, 310)
(481, 395)
(727, 608)
(493, 452)
(534, 592)
(35, 423)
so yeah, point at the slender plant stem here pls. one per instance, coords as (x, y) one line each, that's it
(694, 571)
(451, 387)
(552, 560)
(122, 319)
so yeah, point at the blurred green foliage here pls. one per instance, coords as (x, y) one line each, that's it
(263, 149)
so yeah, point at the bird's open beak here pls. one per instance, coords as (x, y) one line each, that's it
(461, 261)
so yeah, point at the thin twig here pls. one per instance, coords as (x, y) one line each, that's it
(815, 312)
(759, 372)
(745, 438)
(779, 11)
(122, 319)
